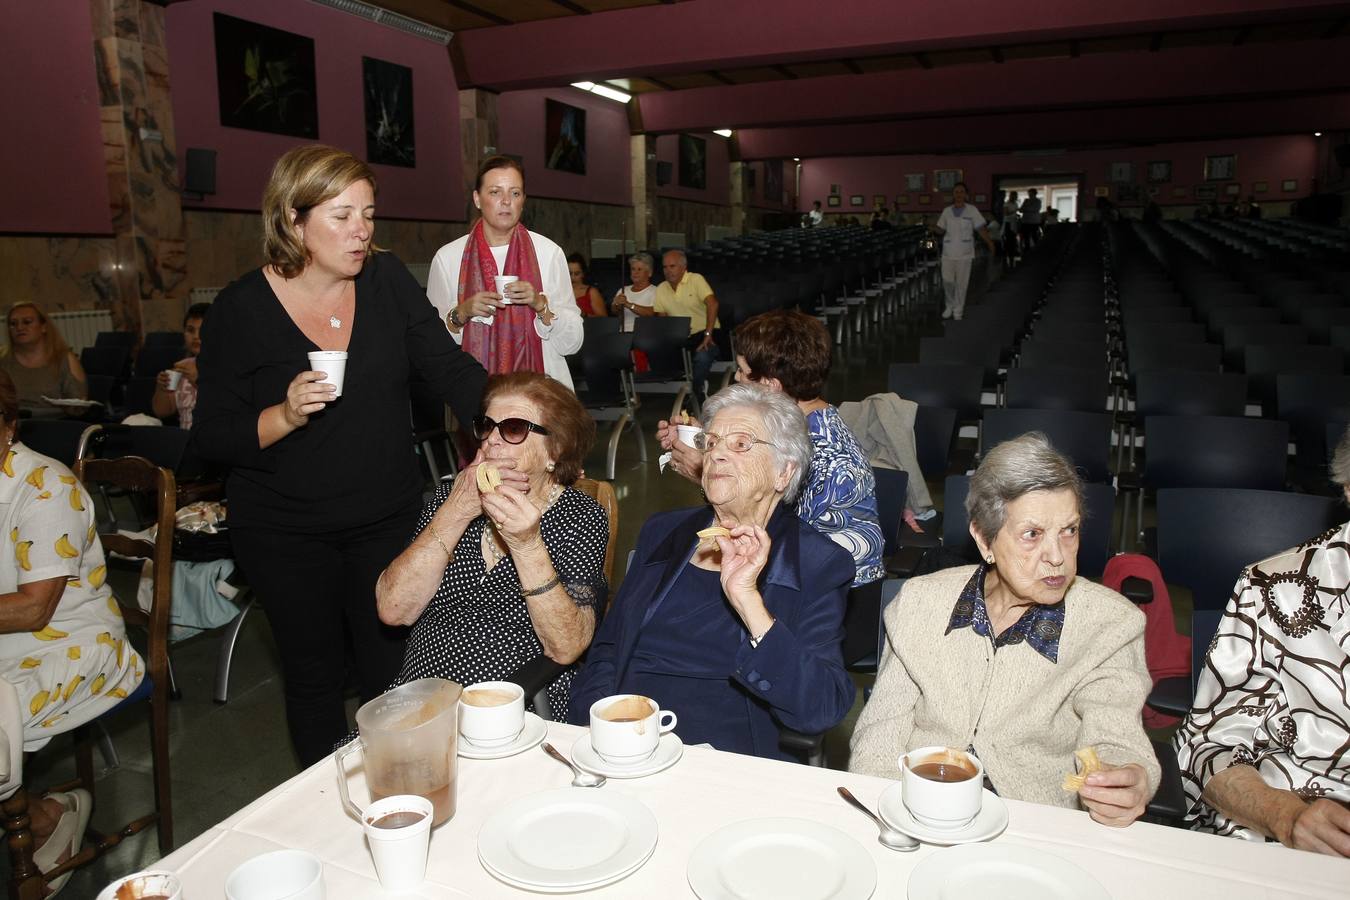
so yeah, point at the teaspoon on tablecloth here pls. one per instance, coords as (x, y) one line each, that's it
(889, 837)
(581, 779)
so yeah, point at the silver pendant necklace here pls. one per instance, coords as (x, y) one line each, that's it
(334, 322)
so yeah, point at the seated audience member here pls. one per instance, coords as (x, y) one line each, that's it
(1263, 751)
(638, 297)
(184, 398)
(686, 293)
(790, 352)
(742, 637)
(40, 363)
(64, 656)
(1016, 659)
(492, 580)
(589, 300)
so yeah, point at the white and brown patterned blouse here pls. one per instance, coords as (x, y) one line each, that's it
(1273, 691)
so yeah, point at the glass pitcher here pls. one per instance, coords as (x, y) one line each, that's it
(408, 737)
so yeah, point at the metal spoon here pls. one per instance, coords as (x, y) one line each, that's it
(889, 837)
(580, 779)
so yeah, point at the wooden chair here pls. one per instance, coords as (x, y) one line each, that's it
(131, 474)
(602, 492)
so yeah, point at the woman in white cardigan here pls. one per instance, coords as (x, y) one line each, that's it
(1016, 660)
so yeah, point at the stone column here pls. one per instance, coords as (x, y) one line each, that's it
(642, 148)
(478, 139)
(150, 267)
(739, 173)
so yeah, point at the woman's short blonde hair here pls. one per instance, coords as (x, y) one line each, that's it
(303, 178)
(56, 347)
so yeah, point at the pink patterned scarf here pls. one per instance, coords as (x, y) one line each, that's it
(510, 343)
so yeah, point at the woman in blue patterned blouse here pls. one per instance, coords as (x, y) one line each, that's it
(789, 351)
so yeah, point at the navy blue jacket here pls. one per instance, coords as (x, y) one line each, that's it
(794, 679)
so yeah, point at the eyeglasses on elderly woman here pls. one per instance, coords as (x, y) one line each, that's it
(737, 441)
(513, 430)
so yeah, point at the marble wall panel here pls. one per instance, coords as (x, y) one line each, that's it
(101, 18)
(58, 272)
(690, 217)
(572, 224)
(126, 18)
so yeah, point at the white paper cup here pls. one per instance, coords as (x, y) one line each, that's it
(149, 883)
(282, 875)
(494, 725)
(175, 378)
(686, 433)
(942, 805)
(628, 740)
(333, 363)
(400, 854)
(500, 282)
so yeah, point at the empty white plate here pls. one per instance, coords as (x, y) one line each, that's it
(567, 889)
(770, 859)
(567, 838)
(988, 823)
(532, 735)
(1001, 872)
(668, 753)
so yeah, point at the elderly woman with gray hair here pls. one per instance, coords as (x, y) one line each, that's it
(738, 631)
(636, 299)
(1016, 660)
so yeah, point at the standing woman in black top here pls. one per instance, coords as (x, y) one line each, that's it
(323, 491)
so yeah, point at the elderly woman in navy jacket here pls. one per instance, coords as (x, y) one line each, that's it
(738, 633)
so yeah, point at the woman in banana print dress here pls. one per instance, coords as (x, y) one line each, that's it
(64, 656)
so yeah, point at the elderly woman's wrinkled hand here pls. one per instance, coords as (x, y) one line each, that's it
(1116, 796)
(510, 509)
(743, 557)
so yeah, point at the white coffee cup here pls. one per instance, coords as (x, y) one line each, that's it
(281, 875)
(686, 433)
(333, 363)
(150, 883)
(626, 728)
(942, 805)
(400, 852)
(175, 378)
(500, 282)
(497, 719)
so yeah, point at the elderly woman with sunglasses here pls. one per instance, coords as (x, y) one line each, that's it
(738, 632)
(494, 578)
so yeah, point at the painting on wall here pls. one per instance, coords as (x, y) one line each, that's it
(923, 199)
(944, 180)
(1260, 187)
(1206, 192)
(1178, 192)
(834, 189)
(265, 78)
(564, 137)
(833, 200)
(1160, 171)
(914, 182)
(773, 181)
(1101, 192)
(390, 136)
(855, 200)
(1121, 172)
(1129, 193)
(902, 199)
(693, 162)
(980, 198)
(879, 200)
(1289, 185)
(1220, 168)
(1232, 190)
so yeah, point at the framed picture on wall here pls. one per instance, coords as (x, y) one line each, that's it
(923, 199)
(879, 200)
(265, 78)
(693, 162)
(834, 189)
(855, 200)
(390, 138)
(833, 200)
(1121, 172)
(945, 179)
(1220, 168)
(1178, 192)
(564, 137)
(1232, 190)
(773, 181)
(914, 182)
(1154, 190)
(1206, 192)
(980, 198)
(1260, 187)
(1102, 191)
(1289, 185)
(1129, 193)
(902, 199)
(1160, 171)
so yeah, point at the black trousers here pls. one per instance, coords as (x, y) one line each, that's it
(318, 590)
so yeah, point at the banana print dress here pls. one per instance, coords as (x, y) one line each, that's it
(80, 665)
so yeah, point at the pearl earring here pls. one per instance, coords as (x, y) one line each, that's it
(990, 559)
(550, 466)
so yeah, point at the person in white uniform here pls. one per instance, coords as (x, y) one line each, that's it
(958, 225)
(462, 297)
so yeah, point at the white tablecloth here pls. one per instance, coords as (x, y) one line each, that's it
(706, 790)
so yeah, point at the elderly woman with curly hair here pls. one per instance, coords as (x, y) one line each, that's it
(737, 632)
(493, 579)
(1016, 660)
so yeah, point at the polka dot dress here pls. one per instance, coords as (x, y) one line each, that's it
(477, 626)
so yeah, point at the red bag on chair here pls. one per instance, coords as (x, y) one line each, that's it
(1167, 653)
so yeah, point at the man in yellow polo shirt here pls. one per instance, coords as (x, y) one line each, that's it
(686, 293)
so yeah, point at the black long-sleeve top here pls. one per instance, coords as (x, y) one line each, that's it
(353, 463)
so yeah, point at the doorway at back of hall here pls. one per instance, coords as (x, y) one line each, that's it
(1061, 191)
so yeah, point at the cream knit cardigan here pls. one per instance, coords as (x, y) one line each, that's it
(1023, 714)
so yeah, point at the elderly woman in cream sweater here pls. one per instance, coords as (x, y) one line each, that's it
(1015, 660)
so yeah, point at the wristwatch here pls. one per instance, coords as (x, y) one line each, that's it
(707, 333)
(454, 317)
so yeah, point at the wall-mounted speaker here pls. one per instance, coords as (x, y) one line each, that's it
(200, 177)
(664, 173)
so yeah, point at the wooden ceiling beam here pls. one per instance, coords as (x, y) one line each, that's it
(923, 60)
(663, 85)
(481, 13)
(996, 53)
(718, 76)
(1156, 43)
(852, 66)
(786, 72)
(1334, 29)
(572, 7)
(1075, 48)
(1243, 34)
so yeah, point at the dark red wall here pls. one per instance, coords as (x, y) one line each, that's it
(520, 116)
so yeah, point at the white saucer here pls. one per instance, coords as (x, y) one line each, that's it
(797, 858)
(998, 872)
(568, 889)
(532, 735)
(668, 752)
(989, 823)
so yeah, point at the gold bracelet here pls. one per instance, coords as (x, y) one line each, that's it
(544, 588)
(450, 554)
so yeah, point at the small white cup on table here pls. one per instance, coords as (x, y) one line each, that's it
(148, 884)
(280, 875)
(943, 788)
(398, 831)
(491, 713)
(626, 728)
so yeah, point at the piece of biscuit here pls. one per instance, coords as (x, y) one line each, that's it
(488, 478)
(710, 535)
(1089, 763)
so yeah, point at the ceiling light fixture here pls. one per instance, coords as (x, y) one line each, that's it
(611, 93)
(724, 132)
(796, 159)
(584, 85)
(1317, 134)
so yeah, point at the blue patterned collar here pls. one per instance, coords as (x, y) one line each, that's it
(1040, 626)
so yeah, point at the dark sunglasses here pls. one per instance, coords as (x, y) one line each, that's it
(512, 430)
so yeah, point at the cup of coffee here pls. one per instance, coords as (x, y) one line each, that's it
(333, 363)
(686, 433)
(499, 283)
(282, 875)
(491, 713)
(398, 830)
(626, 728)
(175, 378)
(148, 885)
(942, 787)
